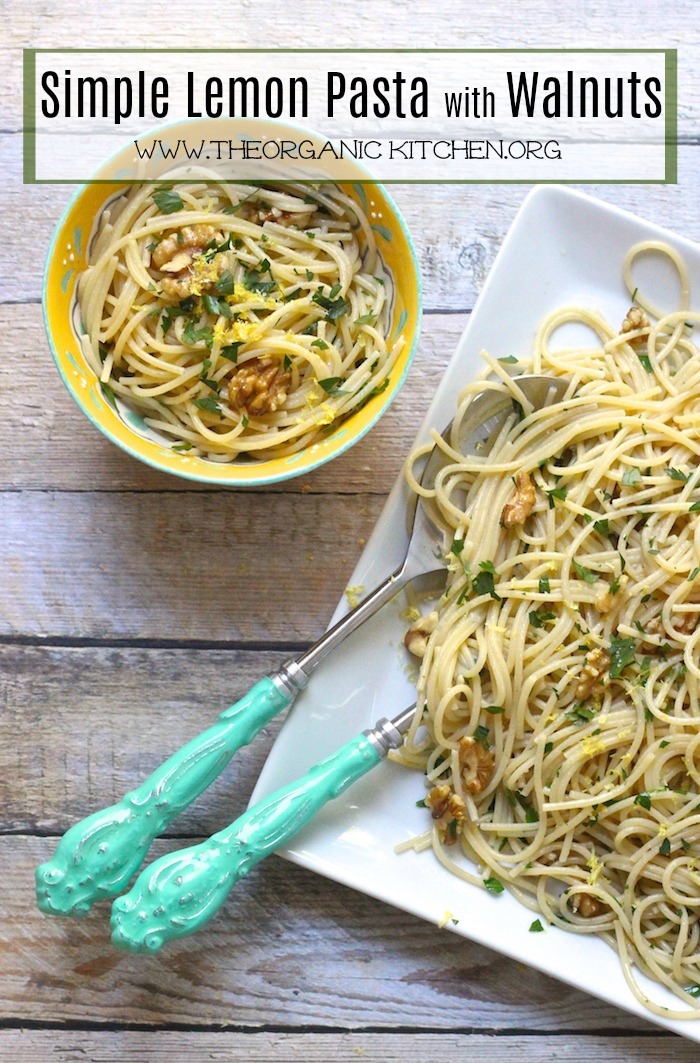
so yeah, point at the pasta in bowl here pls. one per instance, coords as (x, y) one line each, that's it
(233, 333)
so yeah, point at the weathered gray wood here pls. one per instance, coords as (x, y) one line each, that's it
(46, 441)
(457, 229)
(79, 558)
(177, 566)
(78, 728)
(28, 1046)
(289, 949)
(110, 716)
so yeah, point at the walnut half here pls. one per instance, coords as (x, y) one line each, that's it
(586, 906)
(258, 386)
(635, 321)
(416, 638)
(597, 662)
(476, 765)
(447, 809)
(521, 504)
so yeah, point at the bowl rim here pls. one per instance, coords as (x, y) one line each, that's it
(203, 478)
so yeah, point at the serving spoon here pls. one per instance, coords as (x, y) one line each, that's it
(96, 858)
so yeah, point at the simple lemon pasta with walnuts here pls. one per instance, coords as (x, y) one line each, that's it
(237, 319)
(558, 716)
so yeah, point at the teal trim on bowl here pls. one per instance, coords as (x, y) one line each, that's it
(361, 194)
(385, 233)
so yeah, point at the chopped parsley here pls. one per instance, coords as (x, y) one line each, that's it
(543, 585)
(540, 617)
(558, 493)
(224, 285)
(621, 654)
(631, 477)
(495, 710)
(167, 201)
(208, 403)
(536, 927)
(330, 385)
(218, 307)
(481, 734)
(230, 351)
(191, 334)
(677, 474)
(584, 573)
(483, 583)
(494, 885)
(334, 308)
(580, 714)
(108, 394)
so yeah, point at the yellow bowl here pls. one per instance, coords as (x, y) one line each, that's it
(67, 258)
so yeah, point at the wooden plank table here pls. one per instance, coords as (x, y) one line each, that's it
(133, 607)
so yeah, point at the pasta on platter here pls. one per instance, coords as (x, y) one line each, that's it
(558, 717)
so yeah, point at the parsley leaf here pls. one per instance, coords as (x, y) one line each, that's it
(539, 618)
(483, 583)
(621, 654)
(208, 403)
(230, 351)
(224, 285)
(584, 573)
(334, 308)
(536, 927)
(494, 885)
(632, 476)
(192, 334)
(215, 306)
(558, 493)
(167, 201)
(330, 385)
(543, 585)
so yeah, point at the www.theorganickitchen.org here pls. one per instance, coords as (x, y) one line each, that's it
(207, 150)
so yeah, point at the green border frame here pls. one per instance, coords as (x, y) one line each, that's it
(670, 104)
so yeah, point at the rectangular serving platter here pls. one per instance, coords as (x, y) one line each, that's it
(564, 248)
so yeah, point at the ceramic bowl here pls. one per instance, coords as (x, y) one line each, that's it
(67, 257)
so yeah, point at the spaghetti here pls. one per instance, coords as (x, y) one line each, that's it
(558, 714)
(237, 320)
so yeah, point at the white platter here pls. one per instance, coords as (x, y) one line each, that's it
(563, 248)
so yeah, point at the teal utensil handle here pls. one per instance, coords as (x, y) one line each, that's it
(97, 857)
(180, 892)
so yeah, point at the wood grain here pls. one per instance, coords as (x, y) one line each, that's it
(47, 442)
(28, 1046)
(457, 229)
(97, 551)
(212, 567)
(285, 951)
